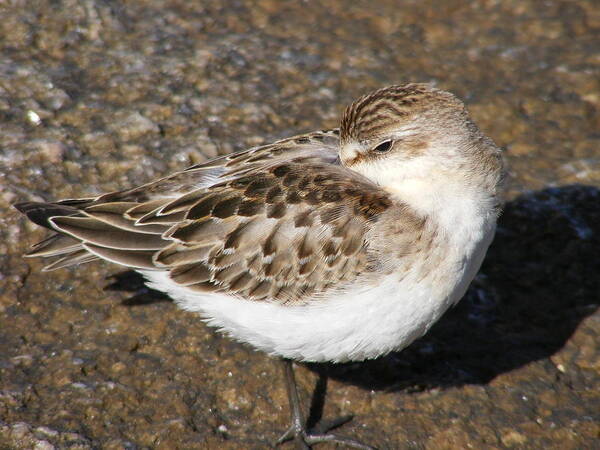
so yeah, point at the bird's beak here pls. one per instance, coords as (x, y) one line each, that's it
(351, 153)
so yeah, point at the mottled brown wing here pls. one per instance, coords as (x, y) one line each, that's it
(282, 222)
(119, 211)
(290, 232)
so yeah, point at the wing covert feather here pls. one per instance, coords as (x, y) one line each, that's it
(292, 231)
(281, 222)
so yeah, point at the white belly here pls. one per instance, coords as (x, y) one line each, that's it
(357, 325)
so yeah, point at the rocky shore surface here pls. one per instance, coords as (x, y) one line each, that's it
(99, 95)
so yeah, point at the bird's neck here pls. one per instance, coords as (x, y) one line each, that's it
(455, 204)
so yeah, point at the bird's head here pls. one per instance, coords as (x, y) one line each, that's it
(414, 131)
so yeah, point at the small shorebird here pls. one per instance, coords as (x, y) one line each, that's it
(337, 245)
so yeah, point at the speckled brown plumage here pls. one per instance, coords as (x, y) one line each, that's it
(282, 222)
(286, 222)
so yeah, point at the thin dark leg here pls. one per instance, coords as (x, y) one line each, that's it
(303, 436)
(315, 421)
(297, 427)
(317, 403)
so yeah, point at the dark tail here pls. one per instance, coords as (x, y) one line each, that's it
(40, 212)
(68, 250)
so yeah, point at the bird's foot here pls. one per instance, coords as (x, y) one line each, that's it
(305, 438)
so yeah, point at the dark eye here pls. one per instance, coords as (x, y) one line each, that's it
(383, 147)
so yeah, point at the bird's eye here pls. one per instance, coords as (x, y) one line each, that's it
(383, 147)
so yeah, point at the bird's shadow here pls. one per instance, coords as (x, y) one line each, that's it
(538, 282)
(132, 282)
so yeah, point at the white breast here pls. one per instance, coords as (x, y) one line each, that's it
(365, 322)
(356, 325)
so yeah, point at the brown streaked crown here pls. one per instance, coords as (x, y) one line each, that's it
(374, 113)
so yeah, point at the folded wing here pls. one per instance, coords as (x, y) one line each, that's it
(280, 222)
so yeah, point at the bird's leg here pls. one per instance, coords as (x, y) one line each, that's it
(297, 427)
(303, 436)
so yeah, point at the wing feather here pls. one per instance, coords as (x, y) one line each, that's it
(81, 256)
(282, 222)
(93, 231)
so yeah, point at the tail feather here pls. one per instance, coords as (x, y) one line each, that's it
(68, 250)
(81, 256)
(55, 245)
(88, 230)
(40, 212)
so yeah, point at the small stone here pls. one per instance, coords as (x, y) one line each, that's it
(58, 99)
(53, 150)
(513, 438)
(135, 126)
(22, 360)
(118, 367)
(9, 197)
(48, 432)
(34, 118)
(43, 445)
(19, 430)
